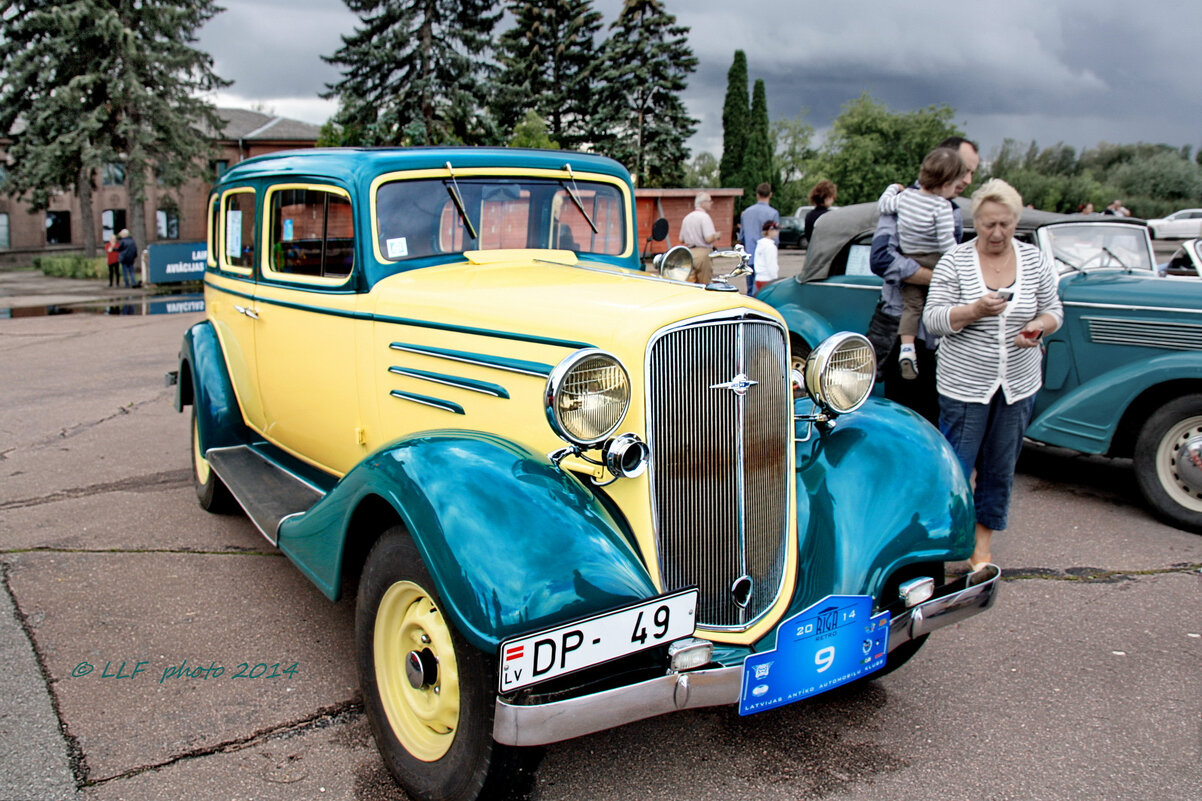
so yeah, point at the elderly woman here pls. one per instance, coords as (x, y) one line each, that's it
(991, 299)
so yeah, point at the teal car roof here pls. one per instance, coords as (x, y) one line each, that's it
(352, 164)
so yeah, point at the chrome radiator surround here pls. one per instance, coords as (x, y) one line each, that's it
(719, 426)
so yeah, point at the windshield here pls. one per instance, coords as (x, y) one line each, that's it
(1091, 245)
(437, 216)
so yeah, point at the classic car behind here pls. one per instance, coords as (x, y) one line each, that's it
(572, 495)
(1186, 261)
(1122, 377)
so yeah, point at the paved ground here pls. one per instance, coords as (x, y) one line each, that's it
(1084, 680)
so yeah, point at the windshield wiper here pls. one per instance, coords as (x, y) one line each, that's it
(572, 190)
(453, 191)
(1106, 249)
(1060, 258)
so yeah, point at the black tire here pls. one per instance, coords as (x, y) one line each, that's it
(799, 351)
(213, 495)
(435, 738)
(1169, 479)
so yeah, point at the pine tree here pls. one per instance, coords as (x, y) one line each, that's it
(734, 123)
(416, 72)
(547, 59)
(96, 80)
(641, 120)
(757, 161)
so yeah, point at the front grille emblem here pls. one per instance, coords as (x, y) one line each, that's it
(738, 385)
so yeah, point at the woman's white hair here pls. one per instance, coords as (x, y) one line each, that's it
(998, 191)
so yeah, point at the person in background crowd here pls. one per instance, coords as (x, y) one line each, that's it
(926, 229)
(887, 261)
(752, 222)
(698, 234)
(822, 197)
(765, 256)
(1085, 208)
(114, 260)
(1117, 208)
(991, 299)
(127, 250)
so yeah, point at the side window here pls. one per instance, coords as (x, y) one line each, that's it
(4, 242)
(212, 231)
(311, 232)
(238, 230)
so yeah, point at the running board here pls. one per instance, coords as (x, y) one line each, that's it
(267, 492)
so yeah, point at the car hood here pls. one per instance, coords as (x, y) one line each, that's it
(1141, 290)
(530, 293)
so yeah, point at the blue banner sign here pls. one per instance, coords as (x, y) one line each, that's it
(835, 641)
(178, 261)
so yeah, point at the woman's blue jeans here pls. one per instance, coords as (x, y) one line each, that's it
(989, 438)
(128, 270)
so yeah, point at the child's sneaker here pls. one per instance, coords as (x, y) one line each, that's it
(907, 361)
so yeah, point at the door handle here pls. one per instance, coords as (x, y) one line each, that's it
(251, 313)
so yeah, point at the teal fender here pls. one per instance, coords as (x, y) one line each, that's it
(1086, 418)
(205, 383)
(879, 491)
(804, 322)
(512, 542)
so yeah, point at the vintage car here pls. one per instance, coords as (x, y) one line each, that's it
(1186, 261)
(572, 495)
(1122, 377)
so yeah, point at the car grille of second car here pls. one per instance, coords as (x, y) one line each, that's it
(719, 463)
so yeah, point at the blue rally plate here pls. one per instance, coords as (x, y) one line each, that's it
(835, 641)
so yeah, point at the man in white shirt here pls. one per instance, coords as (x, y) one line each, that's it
(698, 235)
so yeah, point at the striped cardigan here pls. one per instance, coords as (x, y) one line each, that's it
(981, 357)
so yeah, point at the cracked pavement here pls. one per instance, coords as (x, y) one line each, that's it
(1085, 678)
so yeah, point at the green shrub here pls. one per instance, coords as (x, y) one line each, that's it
(72, 266)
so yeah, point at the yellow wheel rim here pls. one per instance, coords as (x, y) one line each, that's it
(424, 718)
(198, 459)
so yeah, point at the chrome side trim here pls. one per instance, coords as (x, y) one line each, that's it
(1121, 307)
(512, 366)
(446, 406)
(483, 387)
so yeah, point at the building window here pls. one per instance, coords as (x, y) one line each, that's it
(167, 221)
(112, 174)
(4, 243)
(219, 167)
(58, 228)
(111, 221)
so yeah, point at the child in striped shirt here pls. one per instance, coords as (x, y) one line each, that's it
(925, 231)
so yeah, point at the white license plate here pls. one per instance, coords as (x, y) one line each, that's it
(601, 638)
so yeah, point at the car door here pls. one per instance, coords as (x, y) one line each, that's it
(308, 312)
(230, 290)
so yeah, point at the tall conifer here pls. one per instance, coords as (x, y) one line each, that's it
(416, 72)
(96, 80)
(734, 123)
(641, 120)
(547, 59)
(757, 160)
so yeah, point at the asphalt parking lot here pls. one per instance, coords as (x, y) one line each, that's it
(133, 626)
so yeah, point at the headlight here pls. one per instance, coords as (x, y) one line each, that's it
(587, 396)
(840, 373)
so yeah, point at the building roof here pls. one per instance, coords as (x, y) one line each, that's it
(256, 126)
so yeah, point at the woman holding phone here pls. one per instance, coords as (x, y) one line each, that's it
(991, 299)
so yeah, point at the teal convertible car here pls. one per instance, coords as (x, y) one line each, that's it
(1122, 376)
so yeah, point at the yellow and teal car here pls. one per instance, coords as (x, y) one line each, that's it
(571, 494)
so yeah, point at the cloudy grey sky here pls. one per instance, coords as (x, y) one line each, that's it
(1072, 71)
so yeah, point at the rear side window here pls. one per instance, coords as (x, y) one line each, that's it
(213, 230)
(238, 230)
(311, 233)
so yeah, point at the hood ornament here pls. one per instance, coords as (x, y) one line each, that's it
(738, 385)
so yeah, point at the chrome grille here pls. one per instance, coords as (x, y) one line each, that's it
(719, 462)
(1166, 334)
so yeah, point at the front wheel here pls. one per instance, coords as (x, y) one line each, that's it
(1168, 462)
(428, 694)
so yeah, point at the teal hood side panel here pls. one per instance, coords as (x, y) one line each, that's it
(513, 543)
(880, 491)
(218, 417)
(1086, 418)
(811, 327)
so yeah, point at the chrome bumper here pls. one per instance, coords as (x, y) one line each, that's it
(540, 724)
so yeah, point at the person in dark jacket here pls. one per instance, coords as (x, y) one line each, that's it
(822, 197)
(127, 253)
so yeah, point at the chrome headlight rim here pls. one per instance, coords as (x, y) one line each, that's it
(554, 387)
(818, 366)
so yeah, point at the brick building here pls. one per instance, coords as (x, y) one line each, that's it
(171, 214)
(673, 205)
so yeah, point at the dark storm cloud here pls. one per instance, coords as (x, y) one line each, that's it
(1077, 71)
